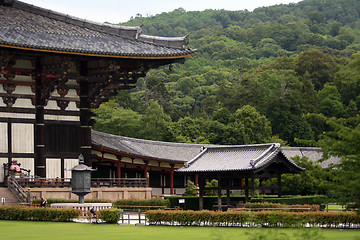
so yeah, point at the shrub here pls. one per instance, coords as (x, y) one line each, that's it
(38, 214)
(111, 215)
(142, 203)
(292, 200)
(261, 218)
(278, 206)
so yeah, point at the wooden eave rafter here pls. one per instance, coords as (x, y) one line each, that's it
(133, 164)
(122, 154)
(100, 55)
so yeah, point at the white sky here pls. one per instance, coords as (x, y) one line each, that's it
(116, 11)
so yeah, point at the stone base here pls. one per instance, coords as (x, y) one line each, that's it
(111, 194)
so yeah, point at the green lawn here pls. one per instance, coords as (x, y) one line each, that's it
(13, 230)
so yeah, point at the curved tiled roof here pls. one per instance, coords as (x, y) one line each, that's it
(236, 158)
(26, 26)
(179, 152)
(224, 158)
(219, 157)
(314, 154)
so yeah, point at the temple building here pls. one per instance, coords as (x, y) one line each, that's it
(54, 69)
(168, 166)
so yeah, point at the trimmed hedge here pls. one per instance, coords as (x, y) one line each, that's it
(192, 203)
(291, 208)
(142, 203)
(292, 200)
(254, 219)
(38, 213)
(111, 215)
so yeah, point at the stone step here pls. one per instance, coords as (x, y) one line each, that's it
(9, 196)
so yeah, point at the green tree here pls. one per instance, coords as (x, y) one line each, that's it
(212, 184)
(116, 120)
(321, 67)
(313, 180)
(155, 123)
(344, 142)
(190, 189)
(250, 126)
(330, 102)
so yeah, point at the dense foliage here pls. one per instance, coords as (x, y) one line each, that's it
(38, 213)
(274, 74)
(285, 73)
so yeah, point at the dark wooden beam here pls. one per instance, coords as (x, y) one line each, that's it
(40, 160)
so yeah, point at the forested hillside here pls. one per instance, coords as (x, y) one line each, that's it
(285, 73)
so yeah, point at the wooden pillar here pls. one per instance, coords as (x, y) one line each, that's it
(118, 172)
(62, 166)
(219, 194)
(163, 179)
(9, 139)
(146, 169)
(246, 190)
(252, 187)
(172, 179)
(279, 185)
(263, 191)
(201, 193)
(228, 196)
(85, 115)
(40, 160)
(196, 179)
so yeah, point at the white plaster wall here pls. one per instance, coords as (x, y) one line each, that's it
(61, 118)
(68, 165)
(3, 138)
(17, 115)
(22, 138)
(27, 163)
(23, 90)
(53, 168)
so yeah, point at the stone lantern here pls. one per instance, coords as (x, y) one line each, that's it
(81, 179)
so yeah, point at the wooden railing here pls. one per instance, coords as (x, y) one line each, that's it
(18, 190)
(95, 182)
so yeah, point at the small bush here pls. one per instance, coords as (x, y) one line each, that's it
(254, 219)
(292, 200)
(296, 207)
(111, 215)
(142, 203)
(38, 214)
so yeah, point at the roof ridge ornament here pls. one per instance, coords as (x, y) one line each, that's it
(203, 149)
(253, 162)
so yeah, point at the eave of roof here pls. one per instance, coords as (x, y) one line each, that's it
(27, 27)
(166, 151)
(245, 158)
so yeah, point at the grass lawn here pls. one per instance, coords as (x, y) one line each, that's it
(13, 230)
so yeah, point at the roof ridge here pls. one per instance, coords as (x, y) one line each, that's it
(148, 141)
(129, 32)
(253, 162)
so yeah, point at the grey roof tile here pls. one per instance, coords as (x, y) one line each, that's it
(24, 25)
(225, 157)
(314, 154)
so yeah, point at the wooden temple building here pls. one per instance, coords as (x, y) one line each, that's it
(54, 69)
(168, 166)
